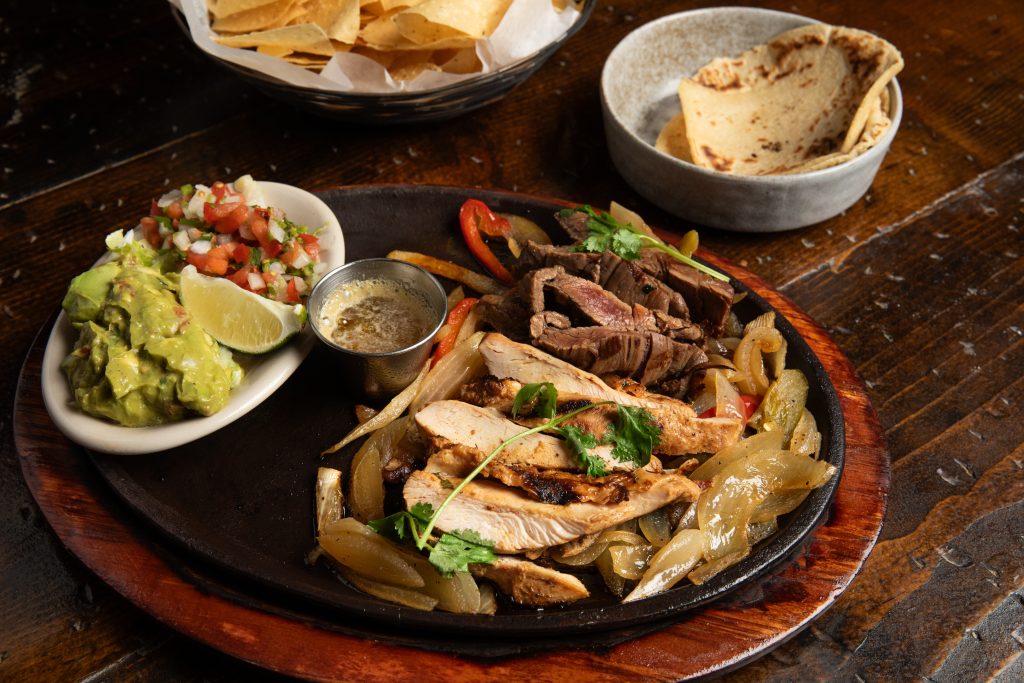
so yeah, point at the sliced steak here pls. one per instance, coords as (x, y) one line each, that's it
(708, 299)
(575, 224)
(624, 279)
(648, 357)
(531, 584)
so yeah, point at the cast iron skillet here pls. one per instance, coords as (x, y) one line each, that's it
(241, 499)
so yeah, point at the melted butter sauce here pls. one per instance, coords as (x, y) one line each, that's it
(375, 316)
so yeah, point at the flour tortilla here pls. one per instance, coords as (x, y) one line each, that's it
(786, 106)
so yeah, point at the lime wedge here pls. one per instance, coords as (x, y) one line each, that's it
(238, 319)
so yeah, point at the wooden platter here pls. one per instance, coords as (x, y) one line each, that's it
(183, 592)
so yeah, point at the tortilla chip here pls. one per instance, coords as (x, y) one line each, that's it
(672, 139)
(300, 38)
(383, 34)
(255, 19)
(224, 8)
(463, 61)
(806, 94)
(435, 21)
(338, 18)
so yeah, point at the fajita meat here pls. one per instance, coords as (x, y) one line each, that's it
(682, 431)
(516, 523)
(531, 584)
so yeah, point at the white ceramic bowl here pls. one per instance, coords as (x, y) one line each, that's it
(263, 374)
(639, 95)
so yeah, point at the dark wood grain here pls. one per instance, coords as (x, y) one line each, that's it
(97, 117)
(713, 639)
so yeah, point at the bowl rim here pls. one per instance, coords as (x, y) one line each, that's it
(586, 9)
(879, 148)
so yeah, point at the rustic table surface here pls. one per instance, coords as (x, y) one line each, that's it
(921, 283)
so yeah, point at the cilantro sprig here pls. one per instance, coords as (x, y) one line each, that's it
(634, 434)
(608, 234)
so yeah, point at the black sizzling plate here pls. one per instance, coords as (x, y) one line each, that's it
(241, 499)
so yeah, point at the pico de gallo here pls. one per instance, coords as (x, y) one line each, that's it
(226, 230)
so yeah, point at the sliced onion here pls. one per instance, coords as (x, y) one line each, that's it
(400, 596)
(748, 358)
(582, 558)
(488, 602)
(366, 483)
(758, 531)
(457, 593)
(709, 569)
(330, 504)
(629, 561)
(391, 411)
(806, 438)
(727, 399)
(670, 564)
(455, 368)
(740, 449)
(357, 547)
(783, 404)
(725, 509)
(523, 230)
(778, 504)
(624, 215)
(655, 527)
(616, 584)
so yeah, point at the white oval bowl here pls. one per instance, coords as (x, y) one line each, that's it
(639, 85)
(264, 374)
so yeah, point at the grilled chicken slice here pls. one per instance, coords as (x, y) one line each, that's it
(530, 584)
(517, 524)
(557, 487)
(682, 431)
(483, 429)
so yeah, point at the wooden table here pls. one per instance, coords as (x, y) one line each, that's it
(921, 283)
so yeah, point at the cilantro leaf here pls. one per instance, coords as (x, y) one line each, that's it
(634, 434)
(625, 241)
(580, 442)
(404, 524)
(546, 395)
(627, 244)
(456, 550)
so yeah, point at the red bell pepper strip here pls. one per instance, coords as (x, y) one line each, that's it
(750, 404)
(456, 318)
(475, 218)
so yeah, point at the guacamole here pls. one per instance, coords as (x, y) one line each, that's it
(139, 359)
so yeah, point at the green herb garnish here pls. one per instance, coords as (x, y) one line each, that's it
(625, 241)
(544, 392)
(635, 435)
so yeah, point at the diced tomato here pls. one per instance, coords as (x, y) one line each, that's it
(226, 218)
(151, 232)
(272, 249)
(154, 209)
(293, 294)
(241, 253)
(311, 244)
(219, 189)
(174, 211)
(213, 262)
(292, 254)
(241, 276)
